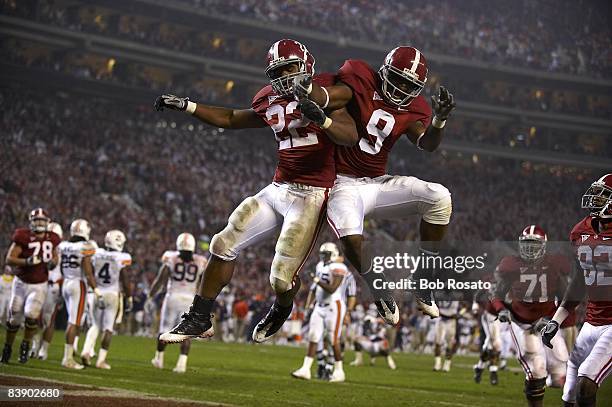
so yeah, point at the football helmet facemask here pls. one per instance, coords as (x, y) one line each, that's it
(286, 52)
(598, 198)
(39, 220)
(532, 243)
(403, 75)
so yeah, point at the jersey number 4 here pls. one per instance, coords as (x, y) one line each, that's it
(104, 274)
(297, 135)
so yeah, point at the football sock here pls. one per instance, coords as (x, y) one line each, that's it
(307, 362)
(44, 346)
(76, 344)
(202, 305)
(159, 356)
(338, 365)
(68, 351)
(90, 340)
(102, 355)
(182, 361)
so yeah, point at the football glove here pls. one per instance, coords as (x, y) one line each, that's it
(51, 265)
(312, 111)
(33, 261)
(100, 303)
(443, 103)
(171, 102)
(302, 86)
(549, 331)
(504, 316)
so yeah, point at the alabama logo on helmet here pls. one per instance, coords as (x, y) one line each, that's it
(403, 75)
(598, 198)
(286, 52)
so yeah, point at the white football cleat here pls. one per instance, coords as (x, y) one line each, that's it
(447, 365)
(431, 310)
(437, 364)
(157, 363)
(42, 355)
(103, 365)
(72, 364)
(391, 363)
(356, 363)
(301, 373)
(179, 369)
(337, 376)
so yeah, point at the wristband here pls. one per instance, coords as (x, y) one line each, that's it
(326, 123)
(191, 107)
(326, 98)
(437, 123)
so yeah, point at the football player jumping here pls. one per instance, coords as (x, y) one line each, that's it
(181, 271)
(110, 267)
(32, 253)
(294, 203)
(385, 105)
(591, 359)
(532, 280)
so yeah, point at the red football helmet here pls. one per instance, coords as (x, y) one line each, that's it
(532, 243)
(285, 52)
(39, 220)
(598, 198)
(403, 75)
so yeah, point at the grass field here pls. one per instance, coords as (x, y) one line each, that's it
(248, 375)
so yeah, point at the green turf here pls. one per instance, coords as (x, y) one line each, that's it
(259, 375)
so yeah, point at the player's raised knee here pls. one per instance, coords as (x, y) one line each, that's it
(243, 214)
(223, 244)
(440, 211)
(280, 285)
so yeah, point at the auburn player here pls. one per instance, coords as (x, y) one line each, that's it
(591, 360)
(532, 280)
(385, 106)
(446, 334)
(31, 255)
(373, 340)
(293, 204)
(110, 267)
(78, 272)
(181, 272)
(328, 313)
(52, 302)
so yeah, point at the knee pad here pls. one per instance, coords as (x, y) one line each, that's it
(31, 323)
(440, 212)
(534, 389)
(280, 285)
(222, 244)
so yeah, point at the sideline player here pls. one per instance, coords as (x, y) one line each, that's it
(373, 340)
(33, 252)
(293, 204)
(181, 272)
(110, 266)
(446, 333)
(591, 360)
(77, 270)
(532, 280)
(53, 301)
(328, 314)
(385, 106)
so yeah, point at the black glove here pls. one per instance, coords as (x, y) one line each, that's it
(301, 84)
(549, 331)
(312, 111)
(33, 261)
(443, 103)
(171, 102)
(51, 265)
(504, 316)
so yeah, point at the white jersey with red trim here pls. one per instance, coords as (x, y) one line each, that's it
(71, 257)
(107, 266)
(183, 276)
(325, 274)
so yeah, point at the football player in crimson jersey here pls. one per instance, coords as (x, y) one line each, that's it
(293, 204)
(385, 105)
(591, 360)
(532, 280)
(32, 253)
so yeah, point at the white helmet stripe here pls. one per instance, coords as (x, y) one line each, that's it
(415, 62)
(275, 50)
(532, 229)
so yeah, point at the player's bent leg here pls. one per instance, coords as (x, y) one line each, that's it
(252, 221)
(534, 392)
(181, 363)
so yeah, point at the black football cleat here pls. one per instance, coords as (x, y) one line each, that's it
(193, 325)
(388, 310)
(321, 372)
(477, 374)
(271, 323)
(493, 378)
(24, 352)
(6, 353)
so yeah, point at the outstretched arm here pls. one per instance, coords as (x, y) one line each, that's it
(430, 138)
(212, 115)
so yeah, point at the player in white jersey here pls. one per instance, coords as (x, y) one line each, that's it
(51, 305)
(328, 313)
(446, 332)
(76, 267)
(6, 282)
(373, 339)
(110, 266)
(181, 272)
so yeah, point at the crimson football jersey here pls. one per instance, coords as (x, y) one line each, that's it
(379, 124)
(594, 252)
(31, 245)
(533, 285)
(305, 153)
